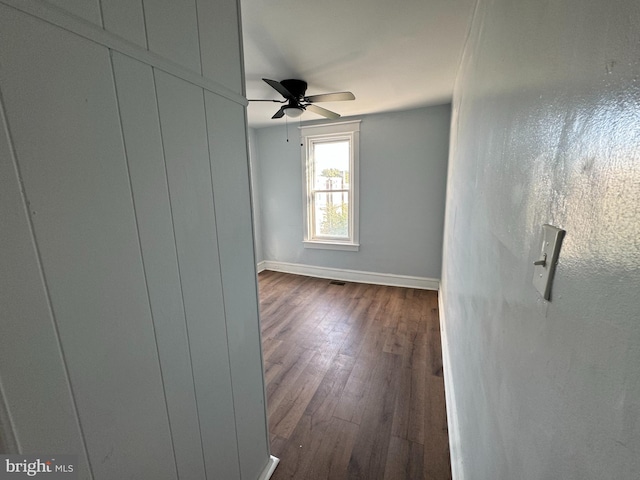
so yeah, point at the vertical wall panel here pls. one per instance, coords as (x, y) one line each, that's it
(141, 127)
(172, 31)
(24, 309)
(62, 112)
(126, 19)
(86, 9)
(184, 134)
(158, 368)
(230, 177)
(220, 42)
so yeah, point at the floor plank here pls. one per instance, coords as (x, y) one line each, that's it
(354, 378)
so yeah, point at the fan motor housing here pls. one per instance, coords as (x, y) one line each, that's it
(296, 87)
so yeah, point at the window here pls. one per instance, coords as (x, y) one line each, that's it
(330, 160)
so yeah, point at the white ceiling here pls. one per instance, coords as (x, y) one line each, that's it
(393, 55)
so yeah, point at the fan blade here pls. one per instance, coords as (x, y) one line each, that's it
(279, 113)
(277, 86)
(261, 100)
(330, 97)
(322, 111)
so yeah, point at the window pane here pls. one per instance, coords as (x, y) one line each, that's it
(332, 214)
(331, 165)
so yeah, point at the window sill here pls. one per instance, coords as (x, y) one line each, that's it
(353, 247)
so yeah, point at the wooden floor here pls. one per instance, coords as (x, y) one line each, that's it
(354, 380)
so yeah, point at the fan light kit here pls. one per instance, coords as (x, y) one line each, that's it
(293, 112)
(293, 92)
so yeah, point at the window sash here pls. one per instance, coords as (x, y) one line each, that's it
(315, 211)
(313, 234)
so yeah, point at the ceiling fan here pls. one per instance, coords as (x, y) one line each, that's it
(293, 92)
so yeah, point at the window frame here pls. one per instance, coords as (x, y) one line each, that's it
(326, 133)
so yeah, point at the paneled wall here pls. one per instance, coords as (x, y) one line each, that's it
(128, 301)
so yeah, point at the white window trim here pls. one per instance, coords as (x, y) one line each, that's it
(340, 129)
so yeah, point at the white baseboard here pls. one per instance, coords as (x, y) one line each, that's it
(260, 267)
(269, 468)
(457, 466)
(352, 275)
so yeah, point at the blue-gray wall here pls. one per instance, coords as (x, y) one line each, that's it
(403, 164)
(256, 194)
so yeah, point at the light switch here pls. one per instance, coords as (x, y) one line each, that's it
(545, 264)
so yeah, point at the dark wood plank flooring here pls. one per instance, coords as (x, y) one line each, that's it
(354, 380)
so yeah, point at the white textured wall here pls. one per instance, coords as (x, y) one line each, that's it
(128, 303)
(403, 164)
(545, 129)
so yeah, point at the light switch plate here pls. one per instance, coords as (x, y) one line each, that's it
(545, 264)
